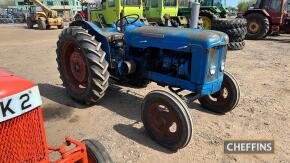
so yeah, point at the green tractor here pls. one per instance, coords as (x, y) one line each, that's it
(213, 13)
(164, 13)
(210, 10)
(107, 12)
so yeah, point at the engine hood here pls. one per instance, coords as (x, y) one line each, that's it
(174, 37)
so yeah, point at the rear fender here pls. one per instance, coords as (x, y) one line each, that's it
(95, 31)
(264, 12)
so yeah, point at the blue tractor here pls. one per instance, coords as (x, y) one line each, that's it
(189, 62)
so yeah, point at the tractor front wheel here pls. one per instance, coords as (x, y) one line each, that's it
(167, 120)
(82, 65)
(258, 26)
(96, 152)
(224, 100)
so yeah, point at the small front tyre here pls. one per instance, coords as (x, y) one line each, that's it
(224, 100)
(167, 120)
(96, 152)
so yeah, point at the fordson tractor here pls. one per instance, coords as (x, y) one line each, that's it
(189, 62)
(22, 130)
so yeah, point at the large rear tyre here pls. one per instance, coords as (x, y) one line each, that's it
(82, 65)
(224, 100)
(207, 17)
(258, 26)
(234, 32)
(96, 152)
(236, 45)
(29, 23)
(167, 120)
(41, 24)
(229, 23)
(79, 17)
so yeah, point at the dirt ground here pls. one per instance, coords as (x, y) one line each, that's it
(262, 69)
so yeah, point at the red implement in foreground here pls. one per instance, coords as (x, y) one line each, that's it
(22, 130)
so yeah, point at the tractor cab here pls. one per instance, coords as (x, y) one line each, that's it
(160, 11)
(109, 11)
(275, 9)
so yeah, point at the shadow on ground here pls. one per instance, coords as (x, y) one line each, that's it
(279, 40)
(139, 136)
(123, 103)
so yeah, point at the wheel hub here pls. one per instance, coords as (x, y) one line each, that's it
(254, 27)
(78, 66)
(206, 22)
(164, 121)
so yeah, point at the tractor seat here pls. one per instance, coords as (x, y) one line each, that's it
(112, 36)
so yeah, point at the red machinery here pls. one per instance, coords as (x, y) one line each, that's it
(265, 18)
(84, 14)
(22, 131)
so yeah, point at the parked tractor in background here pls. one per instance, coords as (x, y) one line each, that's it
(164, 13)
(265, 18)
(210, 10)
(211, 17)
(107, 12)
(22, 130)
(44, 19)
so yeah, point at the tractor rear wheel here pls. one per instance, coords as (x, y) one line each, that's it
(227, 23)
(96, 152)
(235, 32)
(41, 24)
(224, 100)
(207, 17)
(29, 23)
(82, 65)
(60, 26)
(166, 119)
(258, 26)
(236, 45)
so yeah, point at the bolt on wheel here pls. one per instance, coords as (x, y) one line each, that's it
(167, 120)
(224, 100)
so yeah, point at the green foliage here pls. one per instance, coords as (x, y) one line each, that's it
(244, 5)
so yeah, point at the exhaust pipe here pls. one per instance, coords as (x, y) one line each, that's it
(195, 8)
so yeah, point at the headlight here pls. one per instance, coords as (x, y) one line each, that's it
(223, 64)
(212, 70)
(213, 61)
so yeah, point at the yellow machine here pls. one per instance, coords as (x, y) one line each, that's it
(44, 19)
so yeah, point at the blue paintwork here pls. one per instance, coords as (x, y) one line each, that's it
(189, 44)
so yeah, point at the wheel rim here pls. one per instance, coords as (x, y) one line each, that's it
(254, 27)
(75, 67)
(220, 98)
(164, 122)
(206, 22)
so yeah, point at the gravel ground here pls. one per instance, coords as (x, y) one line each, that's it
(262, 69)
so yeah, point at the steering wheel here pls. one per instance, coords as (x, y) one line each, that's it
(125, 22)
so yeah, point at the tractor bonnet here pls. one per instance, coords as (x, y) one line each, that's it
(183, 36)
